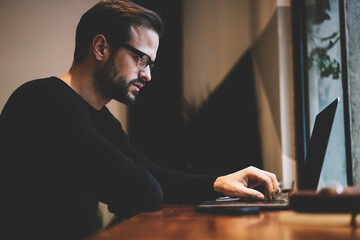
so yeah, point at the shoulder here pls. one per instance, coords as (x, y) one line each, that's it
(47, 90)
(27, 93)
(49, 94)
(34, 90)
(41, 86)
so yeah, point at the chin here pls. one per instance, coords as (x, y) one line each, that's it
(132, 96)
(128, 100)
(131, 101)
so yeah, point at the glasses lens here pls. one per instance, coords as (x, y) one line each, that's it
(144, 62)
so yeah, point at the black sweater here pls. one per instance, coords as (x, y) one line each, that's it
(60, 157)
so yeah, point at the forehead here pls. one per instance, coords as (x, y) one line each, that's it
(145, 39)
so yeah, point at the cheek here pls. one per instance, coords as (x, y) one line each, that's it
(126, 65)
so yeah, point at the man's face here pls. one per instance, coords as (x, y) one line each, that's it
(119, 77)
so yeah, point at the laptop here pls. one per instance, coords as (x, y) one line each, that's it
(312, 169)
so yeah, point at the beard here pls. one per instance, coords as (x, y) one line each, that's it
(114, 85)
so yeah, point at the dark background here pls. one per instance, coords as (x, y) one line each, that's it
(220, 137)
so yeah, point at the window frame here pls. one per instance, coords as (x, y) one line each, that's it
(301, 88)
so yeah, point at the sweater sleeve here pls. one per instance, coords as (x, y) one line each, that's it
(126, 187)
(178, 187)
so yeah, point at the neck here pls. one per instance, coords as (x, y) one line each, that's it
(81, 79)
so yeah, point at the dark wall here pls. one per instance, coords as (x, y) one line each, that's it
(223, 134)
(155, 120)
(220, 137)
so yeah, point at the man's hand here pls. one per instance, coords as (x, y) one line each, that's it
(239, 184)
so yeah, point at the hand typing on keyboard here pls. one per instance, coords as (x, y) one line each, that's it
(242, 183)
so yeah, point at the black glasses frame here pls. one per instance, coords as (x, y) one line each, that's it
(142, 55)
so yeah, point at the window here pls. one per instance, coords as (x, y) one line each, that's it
(325, 82)
(321, 31)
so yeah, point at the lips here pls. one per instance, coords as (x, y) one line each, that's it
(137, 86)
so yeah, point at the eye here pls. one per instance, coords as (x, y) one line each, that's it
(143, 61)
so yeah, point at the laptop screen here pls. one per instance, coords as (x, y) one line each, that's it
(317, 147)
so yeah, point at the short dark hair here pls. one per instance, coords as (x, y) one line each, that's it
(113, 19)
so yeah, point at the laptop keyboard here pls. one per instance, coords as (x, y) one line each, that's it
(251, 201)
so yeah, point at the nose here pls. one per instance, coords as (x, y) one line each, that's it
(145, 74)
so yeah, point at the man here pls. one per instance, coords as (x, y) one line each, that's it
(62, 151)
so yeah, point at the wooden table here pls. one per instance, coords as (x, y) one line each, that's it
(184, 222)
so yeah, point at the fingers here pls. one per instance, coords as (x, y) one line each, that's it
(266, 178)
(275, 183)
(239, 184)
(251, 193)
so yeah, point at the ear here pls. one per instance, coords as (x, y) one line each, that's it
(99, 47)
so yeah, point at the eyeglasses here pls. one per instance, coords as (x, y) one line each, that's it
(144, 60)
